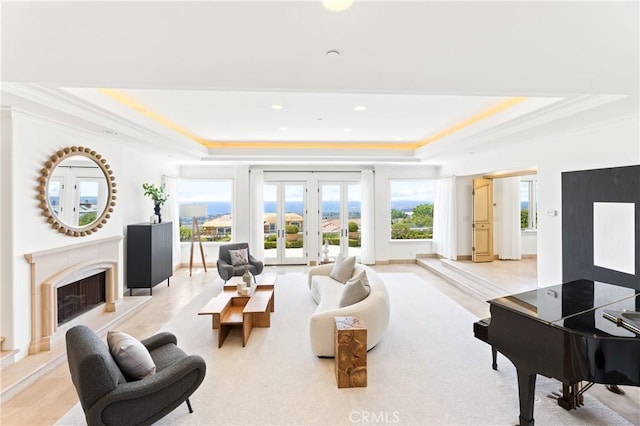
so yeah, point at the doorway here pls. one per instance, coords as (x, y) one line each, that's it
(285, 233)
(339, 218)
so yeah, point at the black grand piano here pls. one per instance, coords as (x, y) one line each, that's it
(581, 331)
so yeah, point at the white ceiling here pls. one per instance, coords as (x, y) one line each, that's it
(204, 75)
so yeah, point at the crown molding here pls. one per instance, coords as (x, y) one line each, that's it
(60, 101)
(537, 118)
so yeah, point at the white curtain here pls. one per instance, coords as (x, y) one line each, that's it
(367, 208)
(256, 195)
(444, 218)
(508, 212)
(172, 214)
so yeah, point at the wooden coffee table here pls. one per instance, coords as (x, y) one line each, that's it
(230, 309)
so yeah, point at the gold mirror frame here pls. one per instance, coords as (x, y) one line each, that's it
(43, 198)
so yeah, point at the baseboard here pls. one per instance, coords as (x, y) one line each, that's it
(427, 256)
(495, 257)
(399, 261)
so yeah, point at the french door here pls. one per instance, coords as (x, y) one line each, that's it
(285, 233)
(340, 231)
(482, 225)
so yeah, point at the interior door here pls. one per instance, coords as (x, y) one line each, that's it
(340, 215)
(482, 229)
(285, 232)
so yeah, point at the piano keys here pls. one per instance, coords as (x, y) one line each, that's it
(563, 332)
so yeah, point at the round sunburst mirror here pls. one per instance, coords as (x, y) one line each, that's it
(76, 191)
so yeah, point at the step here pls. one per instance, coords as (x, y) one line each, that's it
(488, 284)
(16, 376)
(475, 286)
(8, 357)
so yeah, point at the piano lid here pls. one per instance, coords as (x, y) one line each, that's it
(594, 322)
(555, 303)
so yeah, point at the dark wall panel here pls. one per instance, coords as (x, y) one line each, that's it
(579, 191)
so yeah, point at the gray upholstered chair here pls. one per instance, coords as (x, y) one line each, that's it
(227, 270)
(109, 398)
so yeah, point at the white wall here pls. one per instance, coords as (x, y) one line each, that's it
(27, 142)
(610, 144)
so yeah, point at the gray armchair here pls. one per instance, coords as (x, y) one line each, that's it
(109, 398)
(227, 270)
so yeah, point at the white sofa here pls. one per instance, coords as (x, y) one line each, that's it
(373, 310)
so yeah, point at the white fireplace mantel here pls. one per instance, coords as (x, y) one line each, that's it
(57, 267)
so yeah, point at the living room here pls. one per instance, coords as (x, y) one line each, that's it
(581, 112)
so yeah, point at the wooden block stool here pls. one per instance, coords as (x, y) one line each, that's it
(350, 352)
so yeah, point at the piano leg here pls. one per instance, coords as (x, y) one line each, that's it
(494, 356)
(526, 390)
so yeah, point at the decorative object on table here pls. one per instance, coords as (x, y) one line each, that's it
(246, 277)
(158, 195)
(194, 211)
(325, 251)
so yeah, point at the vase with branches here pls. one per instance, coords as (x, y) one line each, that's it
(158, 195)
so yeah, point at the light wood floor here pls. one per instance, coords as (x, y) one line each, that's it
(46, 401)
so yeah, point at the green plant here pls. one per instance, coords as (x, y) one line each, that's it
(292, 229)
(87, 218)
(156, 193)
(185, 233)
(353, 227)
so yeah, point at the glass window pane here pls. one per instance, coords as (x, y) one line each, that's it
(217, 196)
(412, 209)
(525, 197)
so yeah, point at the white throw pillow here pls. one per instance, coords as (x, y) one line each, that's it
(239, 257)
(131, 355)
(354, 291)
(362, 276)
(343, 268)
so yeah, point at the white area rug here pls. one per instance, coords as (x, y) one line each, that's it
(428, 369)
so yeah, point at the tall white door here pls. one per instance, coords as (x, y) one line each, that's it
(285, 232)
(340, 215)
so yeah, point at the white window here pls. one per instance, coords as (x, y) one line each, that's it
(528, 203)
(412, 209)
(217, 196)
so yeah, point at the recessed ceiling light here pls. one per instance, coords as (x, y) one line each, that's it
(284, 129)
(337, 5)
(333, 52)
(346, 129)
(276, 106)
(360, 108)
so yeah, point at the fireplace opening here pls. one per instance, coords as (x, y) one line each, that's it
(81, 296)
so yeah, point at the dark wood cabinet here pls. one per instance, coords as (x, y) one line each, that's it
(149, 255)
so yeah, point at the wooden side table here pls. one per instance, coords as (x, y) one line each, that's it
(350, 352)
